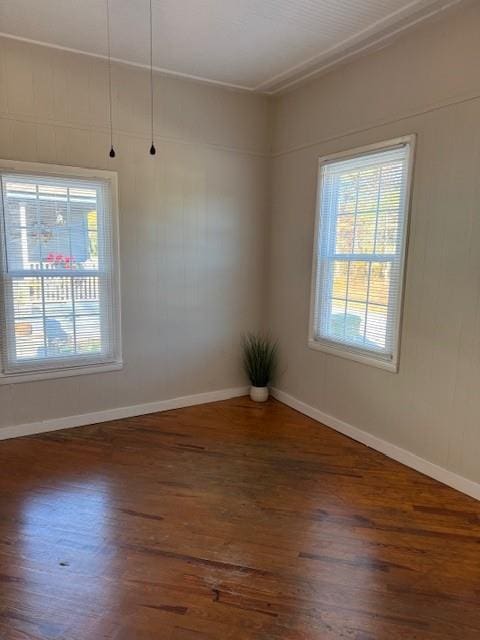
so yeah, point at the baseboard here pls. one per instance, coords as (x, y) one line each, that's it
(403, 456)
(390, 450)
(121, 412)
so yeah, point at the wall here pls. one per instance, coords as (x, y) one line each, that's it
(428, 82)
(192, 219)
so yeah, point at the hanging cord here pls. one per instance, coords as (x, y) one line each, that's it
(112, 150)
(153, 151)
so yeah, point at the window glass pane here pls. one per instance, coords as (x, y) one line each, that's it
(57, 292)
(345, 233)
(58, 337)
(29, 338)
(340, 275)
(347, 192)
(380, 276)
(376, 327)
(86, 293)
(387, 236)
(88, 336)
(27, 297)
(355, 322)
(337, 319)
(358, 281)
(365, 224)
(368, 187)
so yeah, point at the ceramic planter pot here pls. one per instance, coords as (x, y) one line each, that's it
(259, 394)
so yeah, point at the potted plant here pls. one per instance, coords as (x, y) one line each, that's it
(259, 361)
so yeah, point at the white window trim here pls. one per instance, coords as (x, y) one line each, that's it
(62, 171)
(345, 351)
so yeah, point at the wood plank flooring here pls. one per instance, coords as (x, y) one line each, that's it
(229, 521)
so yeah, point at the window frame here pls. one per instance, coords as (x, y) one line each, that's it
(102, 365)
(358, 354)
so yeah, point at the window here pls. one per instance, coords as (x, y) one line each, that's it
(360, 240)
(59, 267)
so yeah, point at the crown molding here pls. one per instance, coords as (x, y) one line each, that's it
(377, 35)
(139, 65)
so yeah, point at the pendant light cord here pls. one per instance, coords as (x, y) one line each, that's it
(152, 148)
(109, 54)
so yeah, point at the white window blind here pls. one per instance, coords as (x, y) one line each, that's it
(362, 214)
(59, 281)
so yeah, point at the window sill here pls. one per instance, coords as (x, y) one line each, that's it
(32, 376)
(352, 354)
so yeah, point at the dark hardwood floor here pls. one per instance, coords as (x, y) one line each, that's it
(229, 521)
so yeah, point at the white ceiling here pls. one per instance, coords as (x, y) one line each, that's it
(260, 45)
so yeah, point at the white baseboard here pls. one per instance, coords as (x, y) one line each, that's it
(390, 450)
(407, 458)
(121, 412)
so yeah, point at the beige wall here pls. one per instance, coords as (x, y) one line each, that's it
(192, 220)
(428, 83)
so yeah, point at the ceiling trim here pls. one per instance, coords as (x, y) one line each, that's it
(376, 35)
(355, 45)
(165, 72)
